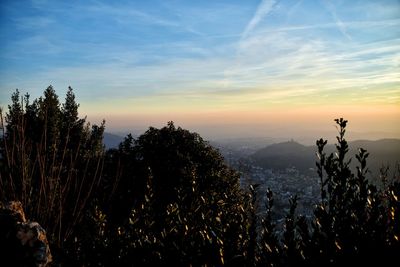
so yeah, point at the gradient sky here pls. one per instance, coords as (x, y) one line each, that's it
(222, 68)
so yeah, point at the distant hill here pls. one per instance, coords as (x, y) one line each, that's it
(112, 140)
(292, 154)
(284, 155)
(384, 151)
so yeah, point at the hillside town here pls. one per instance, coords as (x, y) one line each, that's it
(284, 183)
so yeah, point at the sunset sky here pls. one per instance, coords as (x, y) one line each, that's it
(222, 68)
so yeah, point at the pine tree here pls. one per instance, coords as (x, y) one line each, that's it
(50, 161)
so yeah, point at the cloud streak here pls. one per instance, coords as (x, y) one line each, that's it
(339, 23)
(263, 9)
(125, 14)
(140, 59)
(284, 73)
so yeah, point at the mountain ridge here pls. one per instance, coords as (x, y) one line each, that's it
(288, 154)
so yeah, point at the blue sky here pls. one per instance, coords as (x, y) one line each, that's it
(138, 62)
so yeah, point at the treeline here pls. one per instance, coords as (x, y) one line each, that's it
(168, 198)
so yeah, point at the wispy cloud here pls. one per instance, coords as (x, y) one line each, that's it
(356, 25)
(285, 72)
(128, 14)
(137, 59)
(33, 23)
(339, 23)
(263, 9)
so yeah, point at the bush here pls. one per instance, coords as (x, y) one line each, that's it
(180, 203)
(168, 198)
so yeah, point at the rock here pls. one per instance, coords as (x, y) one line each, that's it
(24, 243)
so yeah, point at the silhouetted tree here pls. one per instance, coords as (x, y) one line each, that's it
(50, 162)
(193, 200)
(168, 198)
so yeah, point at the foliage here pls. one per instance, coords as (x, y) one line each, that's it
(270, 249)
(351, 222)
(51, 161)
(168, 198)
(189, 209)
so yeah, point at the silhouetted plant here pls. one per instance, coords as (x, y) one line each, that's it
(290, 240)
(190, 211)
(252, 247)
(270, 248)
(350, 222)
(167, 198)
(50, 161)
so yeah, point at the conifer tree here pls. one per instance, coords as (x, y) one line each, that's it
(50, 161)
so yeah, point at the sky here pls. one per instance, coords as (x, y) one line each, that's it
(221, 68)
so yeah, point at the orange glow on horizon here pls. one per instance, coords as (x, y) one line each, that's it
(384, 119)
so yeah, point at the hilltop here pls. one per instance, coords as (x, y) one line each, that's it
(293, 154)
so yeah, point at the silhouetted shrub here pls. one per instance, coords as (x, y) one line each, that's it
(168, 198)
